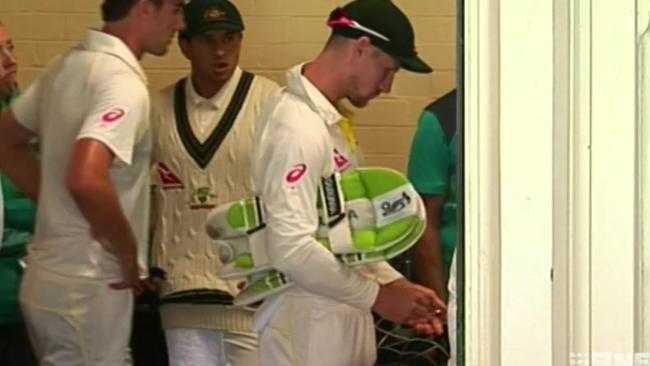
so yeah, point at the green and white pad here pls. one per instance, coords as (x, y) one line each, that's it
(367, 210)
(264, 284)
(368, 215)
(238, 230)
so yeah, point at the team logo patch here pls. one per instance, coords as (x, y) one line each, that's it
(113, 115)
(203, 199)
(296, 174)
(168, 179)
(213, 15)
(341, 161)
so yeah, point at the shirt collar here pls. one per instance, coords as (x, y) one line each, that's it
(300, 86)
(216, 100)
(106, 43)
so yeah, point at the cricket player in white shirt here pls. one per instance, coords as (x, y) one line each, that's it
(325, 318)
(90, 111)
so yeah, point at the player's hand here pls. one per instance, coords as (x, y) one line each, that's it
(145, 285)
(403, 302)
(434, 326)
(128, 266)
(130, 276)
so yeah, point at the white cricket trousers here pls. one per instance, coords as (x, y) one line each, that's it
(207, 347)
(307, 330)
(75, 321)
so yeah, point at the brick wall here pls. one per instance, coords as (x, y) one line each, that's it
(280, 33)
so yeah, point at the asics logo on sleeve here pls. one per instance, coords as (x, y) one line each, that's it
(341, 161)
(113, 115)
(296, 174)
(391, 208)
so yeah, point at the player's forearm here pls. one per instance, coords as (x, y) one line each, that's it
(100, 205)
(381, 272)
(316, 270)
(427, 261)
(18, 163)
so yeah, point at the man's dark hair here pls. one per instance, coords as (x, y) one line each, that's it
(114, 10)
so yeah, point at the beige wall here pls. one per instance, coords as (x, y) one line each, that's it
(279, 33)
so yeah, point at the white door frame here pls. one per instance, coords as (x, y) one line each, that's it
(552, 179)
(481, 185)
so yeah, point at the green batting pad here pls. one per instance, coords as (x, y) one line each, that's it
(265, 286)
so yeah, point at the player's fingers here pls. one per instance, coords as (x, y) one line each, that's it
(438, 326)
(425, 329)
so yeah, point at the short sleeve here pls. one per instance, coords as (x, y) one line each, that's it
(25, 107)
(120, 106)
(428, 165)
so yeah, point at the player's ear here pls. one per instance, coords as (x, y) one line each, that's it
(184, 45)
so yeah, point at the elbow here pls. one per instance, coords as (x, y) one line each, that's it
(300, 258)
(287, 259)
(81, 187)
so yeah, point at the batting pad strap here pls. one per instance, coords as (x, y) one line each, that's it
(334, 217)
(235, 219)
(257, 216)
(257, 242)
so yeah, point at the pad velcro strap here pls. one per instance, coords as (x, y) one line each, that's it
(261, 286)
(258, 216)
(235, 219)
(334, 216)
(257, 242)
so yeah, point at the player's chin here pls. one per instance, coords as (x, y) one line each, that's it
(359, 102)
(7, 87)
(160, 50)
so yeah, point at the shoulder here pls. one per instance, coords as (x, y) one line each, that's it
(293, 112)
(288, 117)
(264, 83)
(428, 120)
(263, 89)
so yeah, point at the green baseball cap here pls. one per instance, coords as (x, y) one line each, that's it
(385, 25)
(205, 15)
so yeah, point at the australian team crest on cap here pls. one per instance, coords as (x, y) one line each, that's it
(213, 15)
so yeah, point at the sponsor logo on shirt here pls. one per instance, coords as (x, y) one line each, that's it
(168, 179)
(341, 161)
(296, 173)
(113, 115)
(390, 208)
(203, 199)
(332, 198)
